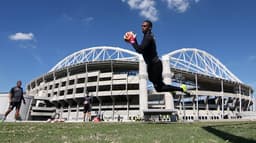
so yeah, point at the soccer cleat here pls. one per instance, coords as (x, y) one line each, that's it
(18, 118)
(183, 87)
(4, 118)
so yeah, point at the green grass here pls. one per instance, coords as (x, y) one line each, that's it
(211, 132)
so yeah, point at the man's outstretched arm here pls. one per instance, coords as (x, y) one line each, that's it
(144, 43)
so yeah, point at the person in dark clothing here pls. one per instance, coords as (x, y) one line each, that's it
(87, 107)
(154, 65)
(15, 98)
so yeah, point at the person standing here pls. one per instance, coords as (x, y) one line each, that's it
(87, 107)
(154, 65)
(15, 99)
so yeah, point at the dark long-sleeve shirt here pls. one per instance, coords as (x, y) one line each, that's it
(147, 48)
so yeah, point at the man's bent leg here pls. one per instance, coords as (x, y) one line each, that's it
(17, 114)
(84, 117)
(88, 116)
(7, 112)
(10, 108)
(161, 87)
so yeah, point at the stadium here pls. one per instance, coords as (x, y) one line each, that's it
(117, 80)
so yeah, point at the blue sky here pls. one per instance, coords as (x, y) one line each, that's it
(36, 34)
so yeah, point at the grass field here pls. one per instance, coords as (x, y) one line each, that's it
(210, 132)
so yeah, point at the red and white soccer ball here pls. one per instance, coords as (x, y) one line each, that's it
(129, 37)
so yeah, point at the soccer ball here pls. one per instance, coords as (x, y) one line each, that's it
(129, 37)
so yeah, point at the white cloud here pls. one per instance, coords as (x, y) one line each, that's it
(147, 8)
(68, 18)
(21, 36)
(88, 19)
(180, 5)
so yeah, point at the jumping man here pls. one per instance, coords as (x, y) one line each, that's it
(154, 65)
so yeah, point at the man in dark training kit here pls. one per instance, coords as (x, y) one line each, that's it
(154, 65)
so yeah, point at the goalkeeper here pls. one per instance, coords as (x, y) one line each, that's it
(154, 65)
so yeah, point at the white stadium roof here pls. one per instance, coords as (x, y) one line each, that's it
(100, 53)
(188, 59)
(201, 62)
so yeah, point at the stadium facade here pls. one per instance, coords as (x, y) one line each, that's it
(117, 80)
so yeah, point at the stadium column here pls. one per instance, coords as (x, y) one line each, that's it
(240, 99)
(167, 79)
(111, 93)
(113, 108)
(86, 79)
(226, 104)
(207, 104)
(250, 99)
(143, 93)
(127, 97)
(61, 111)
(222, 99)
(97, 94)
(197, 108)
(69, 109)
(66, 89)
(247, 108)
(77, 111)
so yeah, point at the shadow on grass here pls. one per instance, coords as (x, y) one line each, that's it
(227, 136)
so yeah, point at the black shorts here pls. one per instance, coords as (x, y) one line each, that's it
(15, 105)
(155, 72)
(87, 108)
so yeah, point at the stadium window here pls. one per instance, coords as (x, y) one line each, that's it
(63, 84)
(50, 87)
(71, 82)
(119, 87)
(70, 91)
(91, 88)
(80, 90)
(80, 80)
(105, 79)
(56, 85)
(92, 79)
(62, 93)
(133, 86)
(104, 88)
